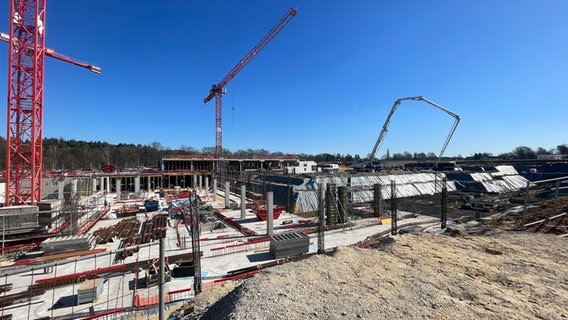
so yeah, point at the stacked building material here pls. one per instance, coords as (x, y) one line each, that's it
(18, 219)
(125, 228)
(50, 212)
(89, 290)
(68, 243)
(289, 244)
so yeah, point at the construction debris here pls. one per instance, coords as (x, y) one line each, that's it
(152, 273)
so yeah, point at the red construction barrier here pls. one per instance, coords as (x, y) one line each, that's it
(145, 302)
(20, 246)
(240, 276)
(179, 291)
(60, 256)
(246, 231)
(92, 223)
(105, 314)
(130, 200)
(61, 227)
(258, 241)
(84, 273)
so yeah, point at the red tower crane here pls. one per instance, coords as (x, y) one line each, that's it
(25, 100)
(218, 90)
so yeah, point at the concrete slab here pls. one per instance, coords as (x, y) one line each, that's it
(223, 250)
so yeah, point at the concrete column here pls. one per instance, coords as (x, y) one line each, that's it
(199, 185)
(243, 201)
(118, 189)
(321, 212)
(206, 187)
(444, 204)
(342, 203)
(269, 213)
(331, 203)
(195, 181)
(107, 184)
(60, 190)
(73, 187)
(377, 199)
(227, 200)
(393, 208)
(137, 184)
(102, 184)
(214, 189)
(94, 189)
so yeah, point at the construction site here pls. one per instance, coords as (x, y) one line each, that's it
(278, 237)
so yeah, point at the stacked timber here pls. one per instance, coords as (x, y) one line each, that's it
(289, 244)
(68, 243)
(155, 228)
(89, 290)
(125, 228)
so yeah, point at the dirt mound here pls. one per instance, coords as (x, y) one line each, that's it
(498, 276)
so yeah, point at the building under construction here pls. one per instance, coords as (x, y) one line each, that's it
(91, 248)
(111, 244)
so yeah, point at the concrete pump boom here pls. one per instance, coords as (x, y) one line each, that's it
(419, 98)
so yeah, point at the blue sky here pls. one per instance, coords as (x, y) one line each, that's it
(325, 83)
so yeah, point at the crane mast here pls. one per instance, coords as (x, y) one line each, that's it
(26, 57)
(418, 98)
(219, 89)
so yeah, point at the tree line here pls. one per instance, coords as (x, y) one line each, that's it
(62, 154)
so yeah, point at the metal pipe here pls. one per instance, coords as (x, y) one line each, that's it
(161, 279)
(393, 208)
(551, 180)
(243, 201)
(444, 204)
(321, 211)
(524, 215)
(269, 213)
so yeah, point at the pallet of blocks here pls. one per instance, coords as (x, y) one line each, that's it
(289, 244)
(89, 291)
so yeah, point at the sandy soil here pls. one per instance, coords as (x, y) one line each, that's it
(499, 275)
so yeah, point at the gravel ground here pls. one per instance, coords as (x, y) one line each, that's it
(500, 275)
